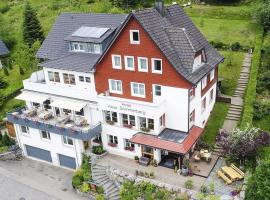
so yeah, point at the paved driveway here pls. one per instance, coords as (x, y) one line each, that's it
(32, 180)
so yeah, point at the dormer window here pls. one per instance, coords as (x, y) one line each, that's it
(134, 37)
(85, 47)
(199, 60)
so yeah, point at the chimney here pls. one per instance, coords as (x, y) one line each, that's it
(159, 5)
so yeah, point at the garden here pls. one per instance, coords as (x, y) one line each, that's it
(5, 143)
(82, 181)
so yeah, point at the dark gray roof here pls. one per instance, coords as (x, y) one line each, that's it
(3, 49)
(179, 40)
(80, 62)
(172, 135)
(56, 47)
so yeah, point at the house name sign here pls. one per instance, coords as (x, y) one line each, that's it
(126, 107)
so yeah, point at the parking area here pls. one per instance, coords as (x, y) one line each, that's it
(29, 179)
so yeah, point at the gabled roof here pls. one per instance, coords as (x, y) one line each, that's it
(179, 40)
(55, 47)
(3, 49)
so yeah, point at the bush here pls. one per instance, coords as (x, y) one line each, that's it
(21, 71)
(98, 150)
(100, 190)
(247, 115)
(100, 197)
(189, 184)
(7, 141)
(6, 71)
(160, 194)
(236, 46)
(85, 187)
(204, 189)
(183, 196)
(260, 110)
(128, 191)
(3, 149)
(4, 7)
(77, 179)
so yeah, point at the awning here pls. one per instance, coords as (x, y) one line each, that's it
(156, 142)
(32, 97)
(68, 104)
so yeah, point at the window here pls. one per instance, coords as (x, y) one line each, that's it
(25, 130)
(156, 66)
(116, 62)
(75, 46)
(192, 118)
(110, 117)
(192, 93)
(69, 79)
(204, 82)
(212, 74)
(137, 89)
(157, 90)
(68, 140)
(80, 113)
(81, 78)
(129, 146)
(129, 63)
(113, 141)
(162, 120)
(211, 95)
(204, 104)
(54, 76)
(36, 105)
(45, 135)
(66, 111)
(97, 48)
(115, 86)
(142, 64)
(87, 79)
(128, 120)
(134, 37)
(146, 124)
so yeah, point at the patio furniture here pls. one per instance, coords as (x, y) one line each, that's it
(205, 154)
(79, 121)
(144, 161)
(224, 177)
(45, 115)
(231, 173)
(238, 170)
(197, 158)
(69, 125)
(63, 119)
(30, 112)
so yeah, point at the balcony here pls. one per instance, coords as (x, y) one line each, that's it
(54, 124)
(37, 83)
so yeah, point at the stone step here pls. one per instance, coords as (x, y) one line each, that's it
(108, 186)
(99, 169)
(99, 177)
(239, 92)
(101, 181)
(113, 196)
(236, 106)
(112, 191)
(233, 112)
(95, 171)
(240, 88)
(233, 117)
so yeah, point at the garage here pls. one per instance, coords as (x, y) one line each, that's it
(38, 153)
(67, 161)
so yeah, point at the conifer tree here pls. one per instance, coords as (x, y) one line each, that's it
(32, 30)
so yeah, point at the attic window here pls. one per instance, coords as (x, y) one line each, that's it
(134, 37)
(199, 60)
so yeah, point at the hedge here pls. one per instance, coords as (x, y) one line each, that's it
(250, 95)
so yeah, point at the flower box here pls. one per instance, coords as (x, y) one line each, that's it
(110, 122)
(129, 148)
(127, 125)
(112, 144)
(145, 129)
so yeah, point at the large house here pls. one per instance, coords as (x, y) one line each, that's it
(142, 84)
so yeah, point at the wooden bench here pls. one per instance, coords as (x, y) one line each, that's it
(224, 177)
(238, 170)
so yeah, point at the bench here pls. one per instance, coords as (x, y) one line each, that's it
(144, 161)
(224, 177)
(238, 170)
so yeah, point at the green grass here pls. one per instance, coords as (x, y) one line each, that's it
(215, 122)
(227, 31)
(230, 74)
(263, 124)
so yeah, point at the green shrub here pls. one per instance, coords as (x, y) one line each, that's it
(21, 71)
(183, 196)
(160, 194)
(7, 141)
(236, 46)
(6, 71)
(100, 190)
(4, 7)
(204, 189)
(98, 150)
(85, 187)
(77, 179)
(3, 149)
(248, 111)
(100, 197)
(128, 191)
(189, 184)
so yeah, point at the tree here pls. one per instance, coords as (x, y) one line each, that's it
(259, 182)
(32, 30)
(243, 144)
(263, 15)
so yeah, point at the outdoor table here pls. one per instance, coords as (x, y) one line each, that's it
(30, 112)
(230, 172)
(69, 125)
(45, 115)
(79, 121)
(63, 118)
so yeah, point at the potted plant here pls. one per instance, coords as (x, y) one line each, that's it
(185, 166)
(110, 122)
(144, 129)
(136, 158)
(112, 144)
(127, 125)
(152, 175)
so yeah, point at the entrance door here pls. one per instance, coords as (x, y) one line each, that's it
(148, 152)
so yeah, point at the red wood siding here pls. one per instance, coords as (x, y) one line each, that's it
(210, 83)
(146, 48)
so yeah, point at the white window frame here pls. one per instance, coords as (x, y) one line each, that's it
(132, 89)
(204, 82)
(48, 135)
(115, 91)
(154, 88)
(97, 49)
(153, 66)
(66, 143)
(131, 36)
(113, 62)
(27, 130)
(140, 66)
(126, 63)
(212, 74)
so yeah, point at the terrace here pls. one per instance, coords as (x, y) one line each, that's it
(71, 126)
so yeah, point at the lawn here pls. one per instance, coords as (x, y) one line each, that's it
(215, 122)
(230, 73)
